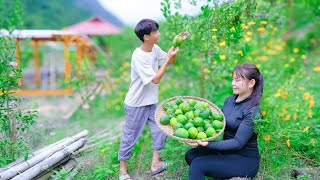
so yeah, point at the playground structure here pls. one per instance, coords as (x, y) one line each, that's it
(84, 48)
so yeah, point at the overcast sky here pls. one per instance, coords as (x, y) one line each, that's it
(130, 12)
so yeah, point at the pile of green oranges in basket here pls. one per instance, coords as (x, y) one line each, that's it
(192, 119)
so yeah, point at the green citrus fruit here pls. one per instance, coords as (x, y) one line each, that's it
(217, 125)
(173, 121)
(200, 129)
(210, 132)
(201, 135)
(182, 119)
(190, 115)
(165, 120)
(178, 112)
(217, 116)
(198, 121)
(177, 126)
(179, 101)
(178, 41)
(192, 102)
(193, 132)
(188, 125)
(182, 133)
(185, 107)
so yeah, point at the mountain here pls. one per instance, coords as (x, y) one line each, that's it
(57, 14)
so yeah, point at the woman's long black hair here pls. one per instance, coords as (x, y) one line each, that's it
(250, 71)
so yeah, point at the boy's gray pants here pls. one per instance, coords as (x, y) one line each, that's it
(136, 118)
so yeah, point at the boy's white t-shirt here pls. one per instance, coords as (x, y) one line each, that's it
(144, 65)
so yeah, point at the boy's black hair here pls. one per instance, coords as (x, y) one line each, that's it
(145, 27)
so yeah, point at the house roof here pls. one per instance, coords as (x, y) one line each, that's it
(94, 26)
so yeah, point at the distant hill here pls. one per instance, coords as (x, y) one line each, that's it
(57, 14)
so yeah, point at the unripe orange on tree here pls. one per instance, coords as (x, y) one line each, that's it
(178, 41)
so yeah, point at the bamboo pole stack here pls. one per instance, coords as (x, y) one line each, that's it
(44, 158)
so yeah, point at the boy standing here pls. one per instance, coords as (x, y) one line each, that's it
(142, 98)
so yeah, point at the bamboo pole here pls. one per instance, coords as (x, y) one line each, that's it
(31, 155)
(51, 161)
(9, 173)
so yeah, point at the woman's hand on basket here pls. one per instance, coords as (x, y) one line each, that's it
(198, 143)
(201, 143)
(192, 143)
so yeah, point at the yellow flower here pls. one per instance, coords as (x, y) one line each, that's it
(206, 70)
(278, 47)
(294, 116)
(263, 58)
(286, 65)
(306, 129)
(267, 137)
(251, 23)
(232, 29)
(195, 59)
(240, 52)
(301, 88)
(295, 50)
(214, 37)
(214, 30)
(303, 56)
(310, 113)
(223, 43)
(263, 22)
(249, 33)
(313, 142)
(259, 66)
(261, 30)
(288, 143)
(247, 39)
(264, 113)
(236, 61)
(275, 29)
(222, 57)
(316, 69)
(117, 107)
(286, 118)
(306, 96)
(126, 64)
(313, 41)
(215, 62)
(292, 60)
(311, 103)
(284, 111)
(243, 26)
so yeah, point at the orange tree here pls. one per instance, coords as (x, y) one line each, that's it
(281, 42)
(15, 121)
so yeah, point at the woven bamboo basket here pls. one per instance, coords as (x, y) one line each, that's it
(168, 129)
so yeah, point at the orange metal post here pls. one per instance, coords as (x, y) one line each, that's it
(67, 66)
(18, 61)
(78, 60)
(36, 62)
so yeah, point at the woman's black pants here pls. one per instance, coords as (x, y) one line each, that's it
(206, 162)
